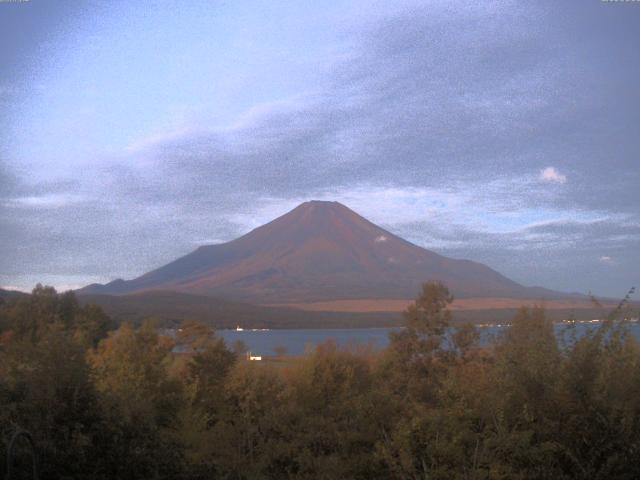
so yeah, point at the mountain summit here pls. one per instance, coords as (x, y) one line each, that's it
(319, 251)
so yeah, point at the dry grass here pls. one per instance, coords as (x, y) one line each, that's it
(463, 304)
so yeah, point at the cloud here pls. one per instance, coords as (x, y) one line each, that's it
(435, 126)
(605, 259)
(52, 200)
(14, 288)
(26, 283)
(391, 103)
(551, 175)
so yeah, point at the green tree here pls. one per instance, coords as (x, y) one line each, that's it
(412, 368)
(45, 384)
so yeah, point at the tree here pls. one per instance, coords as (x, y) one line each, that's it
(525, 405)
(252, 437)
(336, 416)
(204, 376)
(45, 384)
(240, 348)
(30, 317)
(140, 403)
(411, 366)
(280, 350)
(600, 419)
(91, 324)
(428, 375)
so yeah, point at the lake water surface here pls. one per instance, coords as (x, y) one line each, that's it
(263, 342)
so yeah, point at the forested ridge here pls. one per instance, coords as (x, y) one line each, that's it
(103, 401)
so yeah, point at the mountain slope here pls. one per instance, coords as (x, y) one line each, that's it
(319, 251)
(10, 294)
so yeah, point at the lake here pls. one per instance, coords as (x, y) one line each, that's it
(263, 342)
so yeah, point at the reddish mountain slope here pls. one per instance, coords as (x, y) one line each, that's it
(319, 251)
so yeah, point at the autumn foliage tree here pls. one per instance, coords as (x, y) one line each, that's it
(136, 402)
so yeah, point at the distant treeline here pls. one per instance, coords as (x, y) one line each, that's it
(170, 308)
(106, 403)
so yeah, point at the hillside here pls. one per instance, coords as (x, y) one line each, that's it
(10, 294)
(170, 308)
(320, 251)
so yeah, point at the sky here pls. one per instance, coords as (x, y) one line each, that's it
(506, 132)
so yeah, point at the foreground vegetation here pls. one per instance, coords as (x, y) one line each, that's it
(105, 403)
